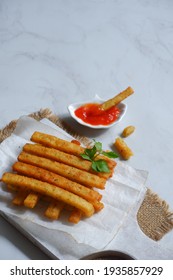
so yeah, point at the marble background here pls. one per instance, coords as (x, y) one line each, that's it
(56, 52)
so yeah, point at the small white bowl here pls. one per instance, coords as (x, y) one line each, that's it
(74, 106)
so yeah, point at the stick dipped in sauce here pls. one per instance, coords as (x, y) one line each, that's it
(105, 113)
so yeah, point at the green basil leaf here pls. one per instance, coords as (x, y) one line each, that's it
(94, 166)
(84, 156)
(110, 154)
(100, 166)
(98, 146)
(91, 152)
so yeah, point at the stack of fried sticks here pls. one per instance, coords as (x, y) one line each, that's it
(52, 168)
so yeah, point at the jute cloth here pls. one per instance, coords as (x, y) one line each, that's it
(154, 216)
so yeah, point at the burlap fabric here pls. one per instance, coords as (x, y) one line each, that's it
(154, 216)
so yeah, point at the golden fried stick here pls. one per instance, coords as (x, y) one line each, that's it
(54, 209)
(57, 143)
(75, 216)
(12, 188)
(59, 156)
(122, 148)
(49, 190)
(31, 200)
(98, 205)
(128, 131)
(41, 174)
(19, 198)
(117, 99)
(70, 172)
(57, 180)
(65, 146)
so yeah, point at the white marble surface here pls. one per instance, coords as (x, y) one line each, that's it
(56, 52)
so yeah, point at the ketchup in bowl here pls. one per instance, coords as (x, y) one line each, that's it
(91, 113)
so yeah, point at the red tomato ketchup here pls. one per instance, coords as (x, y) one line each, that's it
(91, 113)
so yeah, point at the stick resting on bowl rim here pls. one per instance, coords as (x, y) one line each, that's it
(117, 99)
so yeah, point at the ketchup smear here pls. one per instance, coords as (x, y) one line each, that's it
(91, 113)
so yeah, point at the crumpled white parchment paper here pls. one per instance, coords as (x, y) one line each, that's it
(122, 193)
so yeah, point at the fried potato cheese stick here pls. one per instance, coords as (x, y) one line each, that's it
(31, 200)
(54, 209)
(70, 172)
(117, 99)
(49, 190)
(19, 198)
(57, 143)
(123, 149)
(75, 216)
(59, 156)
(57, 180)
(64, 146)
